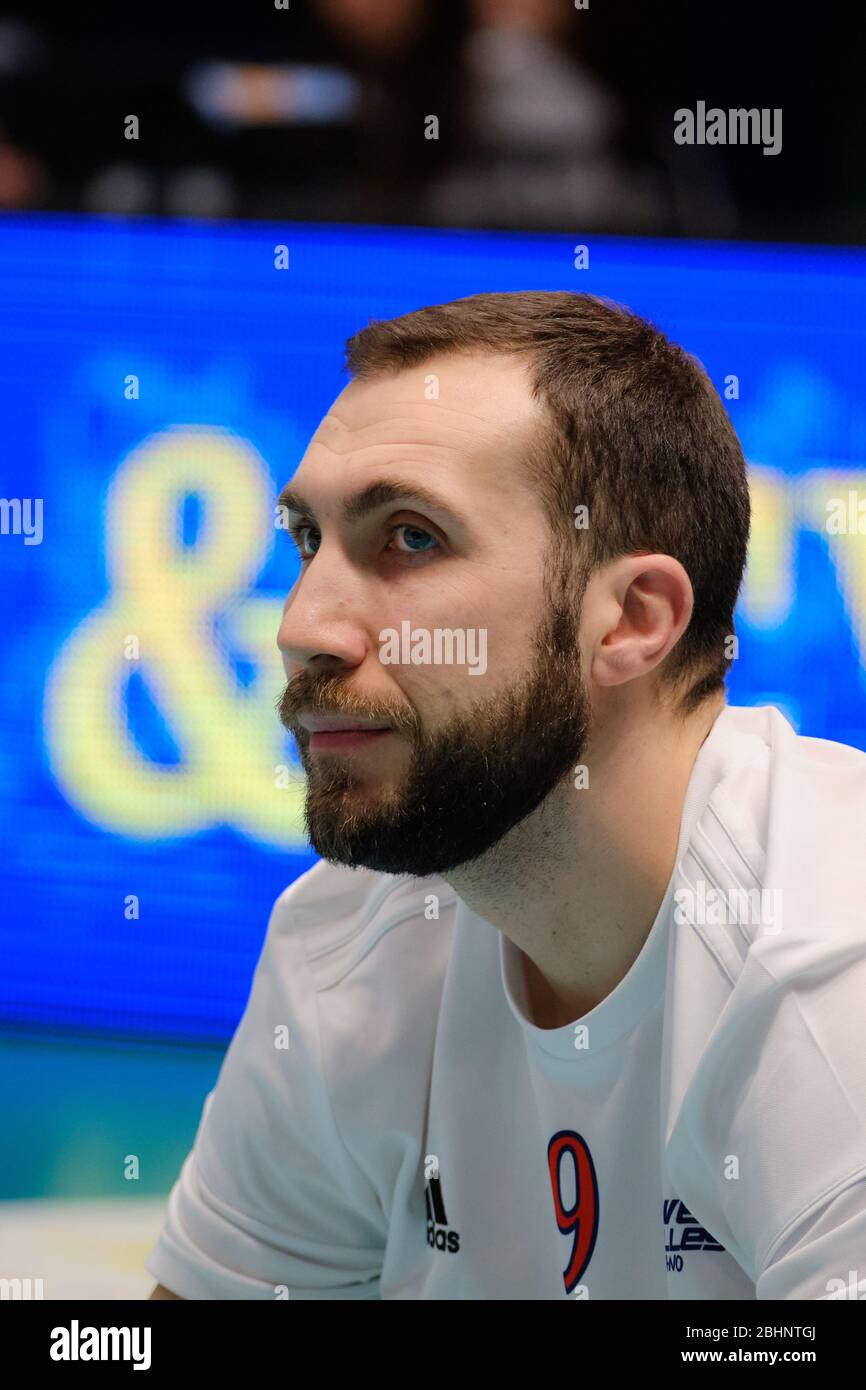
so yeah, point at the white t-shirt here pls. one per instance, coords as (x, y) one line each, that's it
(700, 1134)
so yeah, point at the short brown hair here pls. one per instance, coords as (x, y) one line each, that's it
(637, 432)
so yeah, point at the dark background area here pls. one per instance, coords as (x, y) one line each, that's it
(549, 117)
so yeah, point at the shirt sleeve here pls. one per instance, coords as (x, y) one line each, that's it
(269, 1202)
(824, 1256)
(773, 1129)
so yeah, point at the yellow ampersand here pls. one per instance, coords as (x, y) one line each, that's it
(163, 601)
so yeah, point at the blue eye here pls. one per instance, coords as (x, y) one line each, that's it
(415, 532)
(297, 533)
(417, 541)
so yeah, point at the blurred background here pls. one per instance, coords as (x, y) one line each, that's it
(546, 114)
(195, 216)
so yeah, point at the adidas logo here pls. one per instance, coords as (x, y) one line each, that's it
(439, 1236)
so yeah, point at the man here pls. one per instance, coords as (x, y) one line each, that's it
(574, 998)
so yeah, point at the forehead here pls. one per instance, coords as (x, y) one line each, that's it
(467, 404)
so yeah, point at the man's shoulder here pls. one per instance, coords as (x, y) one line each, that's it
(789, 799)
(777, 847)
(770, 730)
(765, 989)
(341, 915)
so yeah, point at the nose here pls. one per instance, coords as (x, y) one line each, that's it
(320, 629)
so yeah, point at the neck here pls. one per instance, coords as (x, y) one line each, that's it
(577, 885)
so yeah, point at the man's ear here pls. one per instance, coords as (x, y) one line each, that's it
(638, 608)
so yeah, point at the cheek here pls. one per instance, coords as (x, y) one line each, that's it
(489, 628)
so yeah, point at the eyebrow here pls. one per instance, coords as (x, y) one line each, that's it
(376, 495)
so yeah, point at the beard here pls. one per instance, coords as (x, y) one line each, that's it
(469, 782)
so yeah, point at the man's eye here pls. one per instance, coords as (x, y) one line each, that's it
(415, 534)
(298, 533)
(416, 541)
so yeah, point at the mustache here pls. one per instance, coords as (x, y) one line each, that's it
(330, 695)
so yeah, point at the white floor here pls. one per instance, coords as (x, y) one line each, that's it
(81, 1249)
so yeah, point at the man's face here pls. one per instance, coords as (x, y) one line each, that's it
(463, 750)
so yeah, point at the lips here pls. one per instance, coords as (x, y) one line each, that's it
(336, 723)
(341, 740)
